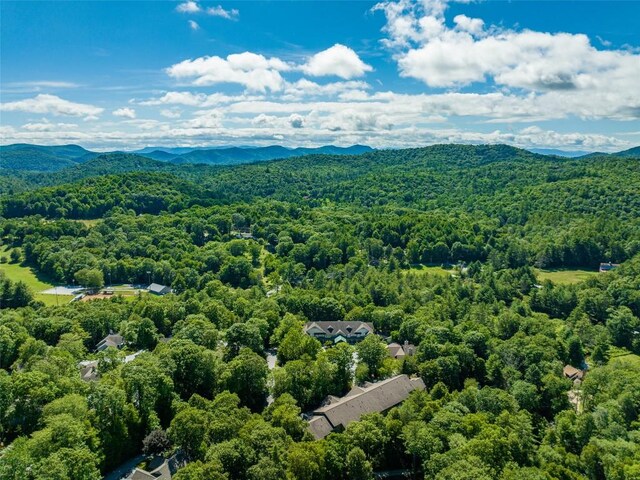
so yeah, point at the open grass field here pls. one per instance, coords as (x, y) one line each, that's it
(565, 276)
(430, 269)
(622, 356)
(36, 282)
(89, 222)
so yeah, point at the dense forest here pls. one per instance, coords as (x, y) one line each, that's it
(252, 252)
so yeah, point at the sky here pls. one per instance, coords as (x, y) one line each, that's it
(396, 73)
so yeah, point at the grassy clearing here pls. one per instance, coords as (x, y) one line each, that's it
(89, 222)
(34, 280)
(430, 269)
(565, 276)
(622, 356)
(18, 272)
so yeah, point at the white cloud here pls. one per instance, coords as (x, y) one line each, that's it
(46, 126)
(45, 103)
(296, 121)
(307, 88)
(255, 72)
(193, 25)
(445, 57)
(191, 99)
(188, 7)
(561, 70)
(169, 113)
(338, 60)
(38, 84)
(124, 112)
(471, 25)
(218, 11)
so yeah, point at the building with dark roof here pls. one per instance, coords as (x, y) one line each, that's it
(158, 289)
(340, 331)
(377, 397)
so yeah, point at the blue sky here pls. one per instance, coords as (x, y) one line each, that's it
(398, 73)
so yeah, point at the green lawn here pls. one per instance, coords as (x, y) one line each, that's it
(89, 222)
(619, 355)
(35, 281)
(565, 276)
(432, 269)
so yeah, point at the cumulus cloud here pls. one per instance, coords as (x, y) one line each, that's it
(193, 25)
(296, 121)
(188, 7)
(218, 11)
(46, 103)
(338, 60)
(255, 72)
(428, 50)
(124, 112)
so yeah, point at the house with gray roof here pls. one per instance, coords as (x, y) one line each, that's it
(112, 340)
(398, 351)
(372, 397)
(159, 469)
(158, 289)
(338, 331)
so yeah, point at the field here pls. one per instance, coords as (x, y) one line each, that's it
(565, 276)
(36, 282)
(621, 355)
(430, 269)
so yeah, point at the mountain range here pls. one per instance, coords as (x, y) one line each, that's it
(41, 158)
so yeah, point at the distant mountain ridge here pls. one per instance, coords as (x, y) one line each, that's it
(236, 155)
(46, 159)
(42, 158)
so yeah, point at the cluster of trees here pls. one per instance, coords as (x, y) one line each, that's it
(14, 294)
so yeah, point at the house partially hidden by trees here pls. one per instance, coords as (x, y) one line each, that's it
(572, 373)
(372, 397)
(608, 266)
(112, 340)
(340, 331)
(400, 351)
(159, 469)
(158, 289)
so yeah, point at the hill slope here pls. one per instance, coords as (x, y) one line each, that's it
(42, 158)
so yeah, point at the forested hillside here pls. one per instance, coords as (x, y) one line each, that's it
(549, 211)
(438, 247)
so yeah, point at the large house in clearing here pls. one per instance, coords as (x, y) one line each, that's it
(338, 331)
(372, 397)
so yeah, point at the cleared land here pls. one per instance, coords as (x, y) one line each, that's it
(623, 356)
(430, 269)
(36, 282)
(565, 276)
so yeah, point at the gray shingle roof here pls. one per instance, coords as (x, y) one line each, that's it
(333, 329)
(377, 397)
